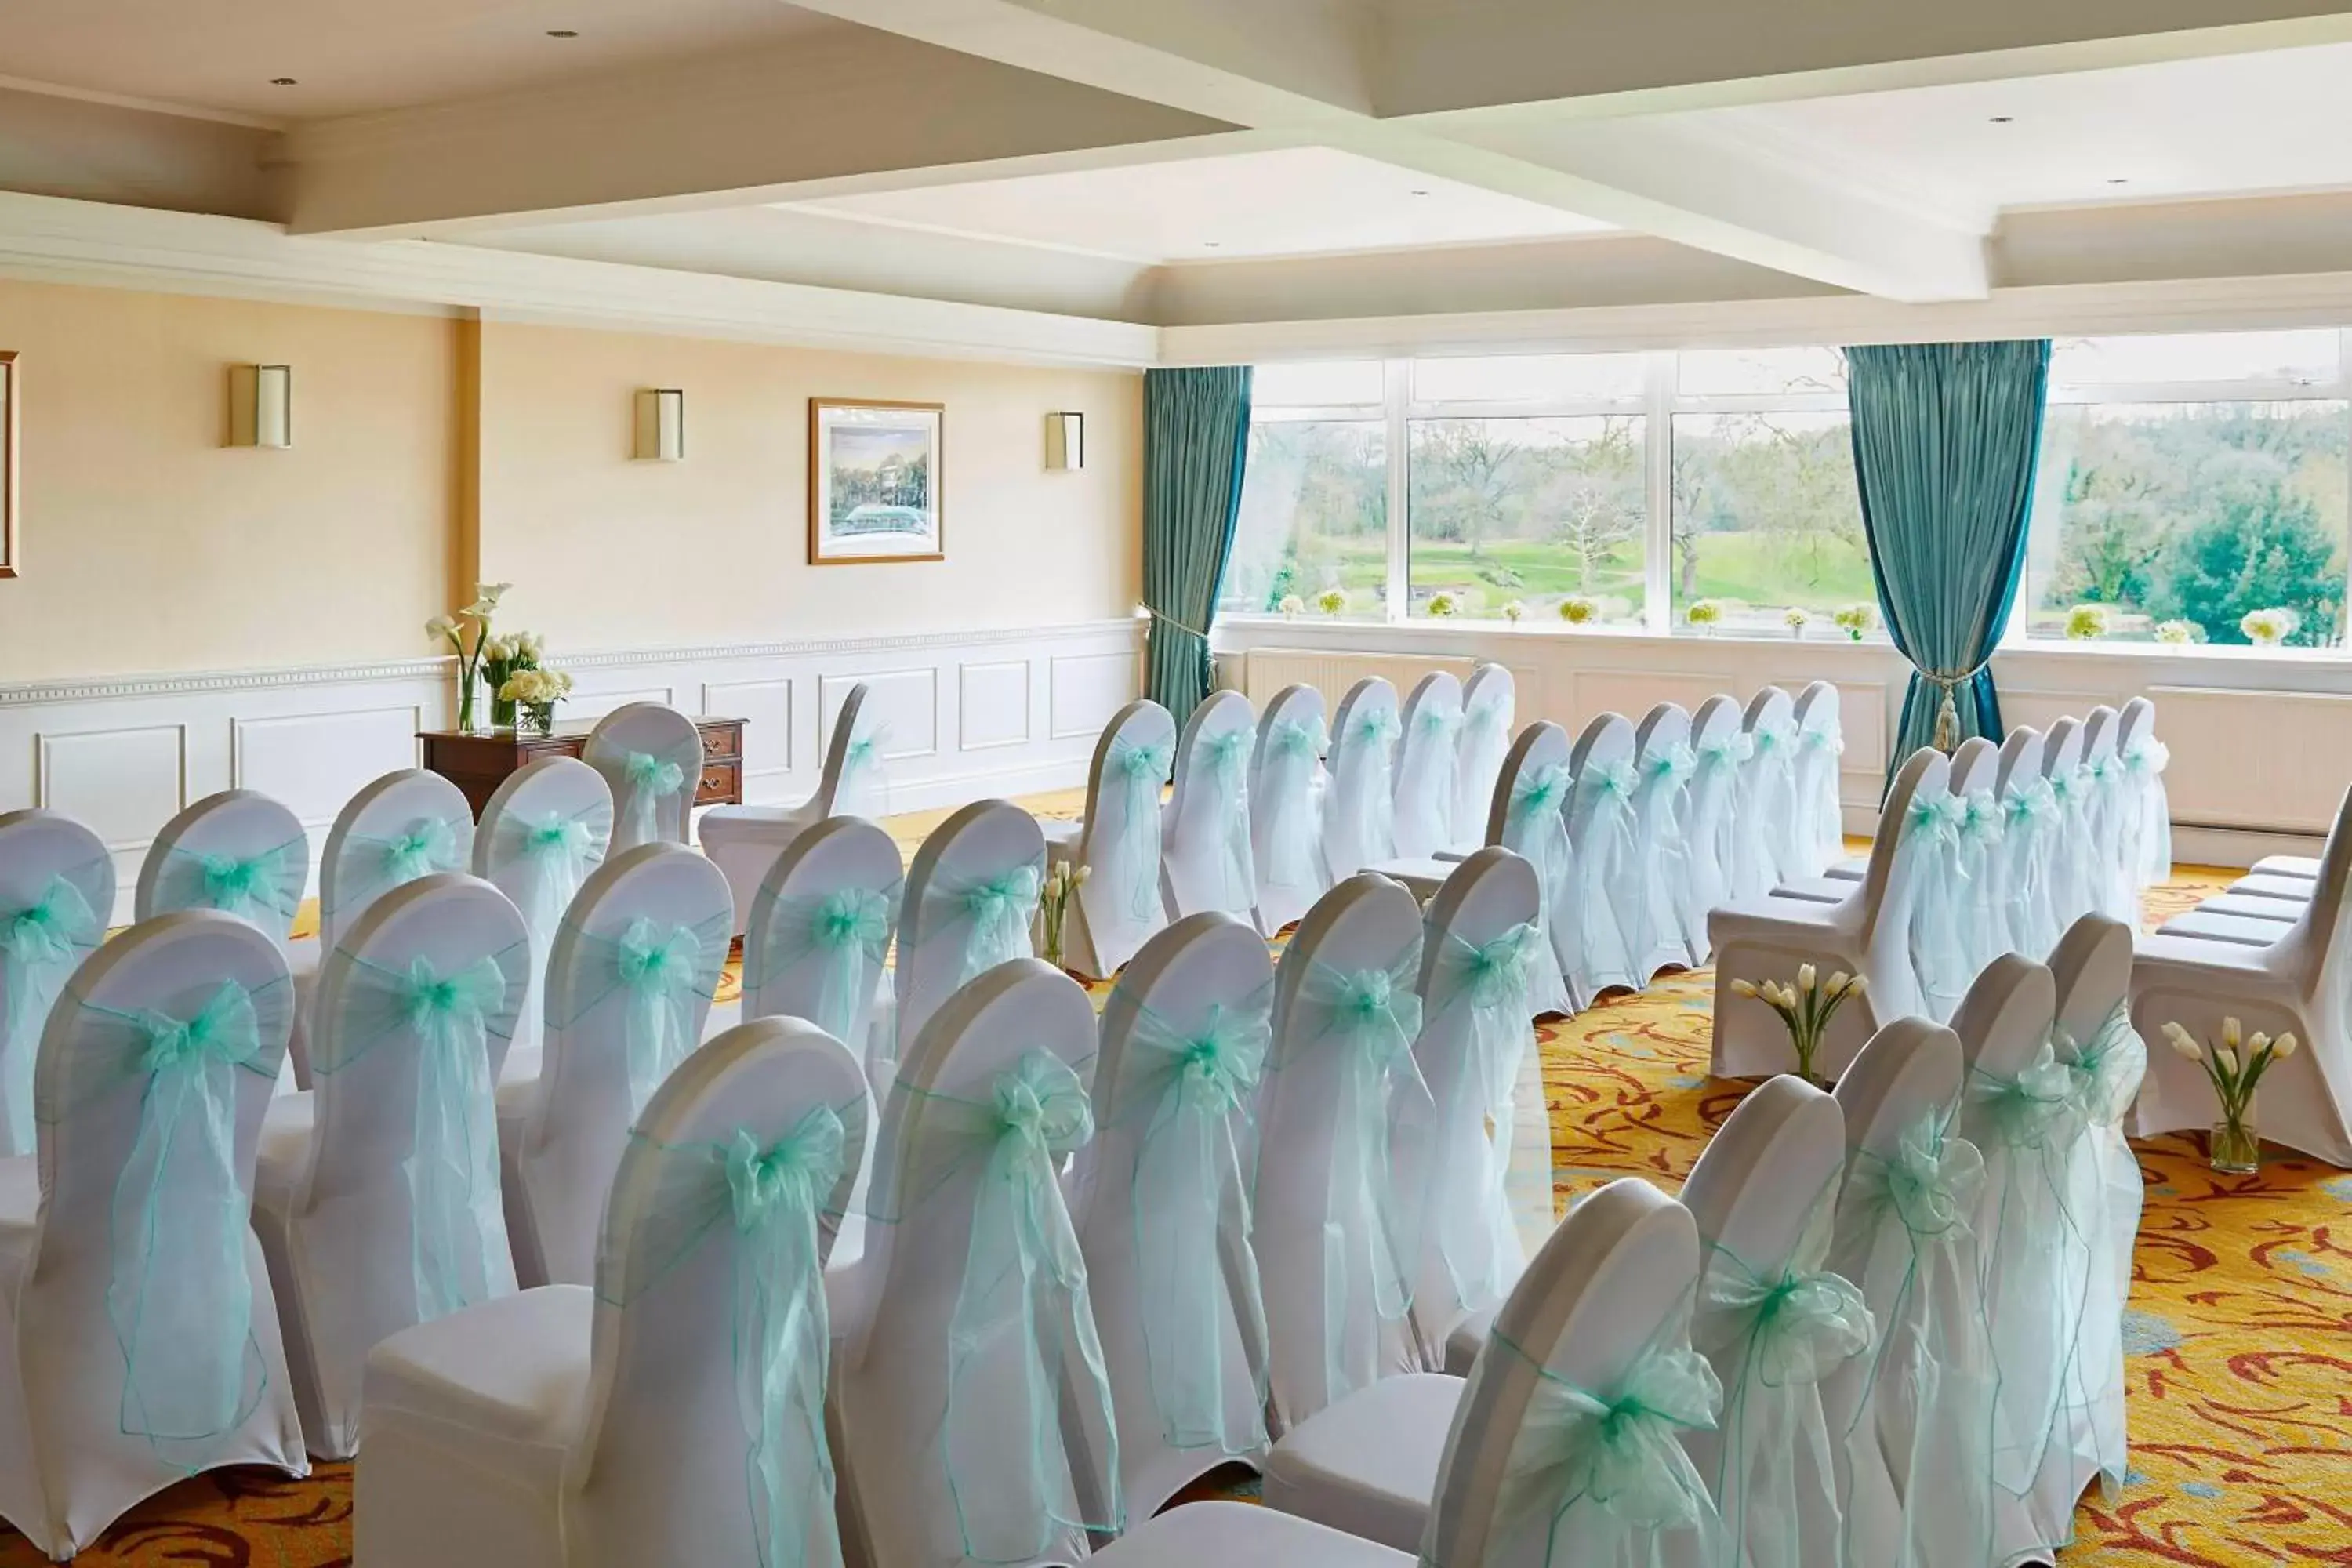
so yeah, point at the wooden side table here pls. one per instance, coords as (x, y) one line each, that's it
(478, 761)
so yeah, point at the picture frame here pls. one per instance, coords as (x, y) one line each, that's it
(11, 384)
(876, 481)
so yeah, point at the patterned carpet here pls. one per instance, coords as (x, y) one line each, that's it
(2240, 1330)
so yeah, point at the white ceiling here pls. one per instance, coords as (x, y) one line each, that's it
(1295, 200)
(221, 55)
(2227, 124)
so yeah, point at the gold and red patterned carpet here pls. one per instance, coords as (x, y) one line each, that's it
(2239, 1331)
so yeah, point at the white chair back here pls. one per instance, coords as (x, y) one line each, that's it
(1529, 816)
(1359, 805)
(2147, 814)
(1428, 762)
(1664, 764)
(395, 1202)
(667, 1467)
(1334, 1244)
(1766, 853)
(57, 898)
(2024, 920)
(401, 826)
(971, 902)
(958, 1442)
(1489, 717)
(239, 852)
(821, 929)
(1596, 926)
(547, 826)
(651, 757)
(1207, 859)
(629, 983)
(1720, 747)
(1121, 903)
(1160, 1201)
(1819, 823)
(856, 779)
(2070, 872)
(1287, 797)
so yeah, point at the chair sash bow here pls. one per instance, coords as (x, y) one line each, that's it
(651, 779)
(661, 969)
(39, 947)
(1133, 868)
(458, 1245)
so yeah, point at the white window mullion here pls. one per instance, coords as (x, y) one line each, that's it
(1399, 390)
(1658, 452)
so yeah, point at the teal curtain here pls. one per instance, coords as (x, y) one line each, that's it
(1946, 440)
(1195, 439)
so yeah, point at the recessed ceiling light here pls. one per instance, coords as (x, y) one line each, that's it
(2003, 118)
(563, 33)
(281, 81)
(1416, 193)
(2117, 179)
(1210, 244)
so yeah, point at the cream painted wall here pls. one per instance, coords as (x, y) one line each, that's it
(148, 546)
(608, 552)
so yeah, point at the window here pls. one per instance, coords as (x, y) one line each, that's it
(1529, 512)
(2185, 481)
(1314, 521)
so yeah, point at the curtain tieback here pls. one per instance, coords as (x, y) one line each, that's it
(1159, 615)
(1948, 714)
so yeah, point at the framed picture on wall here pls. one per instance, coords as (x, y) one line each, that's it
(9, 564)
(875, 483)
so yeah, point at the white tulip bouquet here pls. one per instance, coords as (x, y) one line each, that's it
(1806, 1007)
(2234, 1067)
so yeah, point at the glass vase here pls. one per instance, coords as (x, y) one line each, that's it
(536, 719)
(2234, 1147)
(466, 684)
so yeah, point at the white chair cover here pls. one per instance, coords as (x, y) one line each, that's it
(2109, 809)
(1428, 764)
(548, 826)
(676, 1413)
(974, 1339)
(2026, 921)
(1162, 1203)
(821, 931)
(1489, 718)
(1337, 1219)
(629, 985)
(1529, 816)
(1607, 866)
(744, 840)
(1976, 857)
(239, 852)
(1817, 828)
(1286, 794)
(1932, 837)
(651, 757)
(1359, 805)
(1121, 903)
(57, 895)
(970, 904)
(144, 1340)
(1773, 1320)
(377, 1194)
(2147, 814)
(2071, 867)
(1665, 765)
(1207, 860)
(1720, 749)
(1764, 854)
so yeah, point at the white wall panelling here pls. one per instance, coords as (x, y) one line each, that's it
(2265, 760)
(124, 753)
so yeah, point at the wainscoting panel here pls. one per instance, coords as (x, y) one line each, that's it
(593, 702)
(1271, 669)
(766, 709)
(994, 705)
(2041, 709)
(121, 785)
(314, 762)
(2255, 759)
(1085, 690)
(905, 701)
(1632, 692)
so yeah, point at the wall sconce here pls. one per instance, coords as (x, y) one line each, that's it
(1066, 441)
(260, 406)
(661, 424)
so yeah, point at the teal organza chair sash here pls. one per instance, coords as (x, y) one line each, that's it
(1224, 765)
(2036, 1250)
(1021, 1349)
(1290, 806)
(1602, 1480)
(763, 1201)
(1978, 853)
(1535, 827)
(179, 1295)
(845, 932)
(661, 970)
(2029, 812)
(989, 916)
(458, 1252)
(1435, 731)
(1772, 1335)
(1371, 1222)
(1130, 866)
(1365, 754)
(369, 866)
(1715, 815)
(1661, 810)
(1191, 1094)
(650, 780)
(1486, 740)
(2106, 1194)
(1769, 803)
(1605, 853)
(1479, 1240)
(2143, 761)
(864, 787)
(265, 889)
(1928, 1403)
(40, 947)
(557, 851)
(1939, 878)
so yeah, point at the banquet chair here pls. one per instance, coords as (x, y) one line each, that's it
(2295, 985)
(629, 983)
(970, 904)
(1458, 1467)
(668, 1415)
(1336, 1243)
(2115, 883)
(1286, 791)
(376, 1194)
(1663, 765)
(1975, 857)
(744, 840)
(546, 828)
(1910, 1416)
(2147, 814)
(2033, 1247)
(1428, 764)
(1763, 848)
(57, 898)
(1160, 1201)
(1711, 824)
(1489, 715)
(1976, 765)
(1206, 857)
(403, 826)
(1868, 934)
(1486, 1154)
(130, 1369)
(821, 929)
(1528, 817)
(651, 757)
(1358, 803)
(2070, 867)
(1818, 826)
(1764, 1194)
(1121, 903)
(1595, 924)
(2029, 822)
(966, 1351)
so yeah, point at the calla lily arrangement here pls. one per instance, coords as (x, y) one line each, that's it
(1806, 1007)
(1061, 884)
(2234, 1067)
(467, 633)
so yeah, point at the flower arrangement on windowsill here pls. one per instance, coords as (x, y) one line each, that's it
(2269, 628)
(467, 633)
(1444, 605)
(1796, 619)
(1332, 601)
(1703, 614)
(2087, 623)
(533, 694)
(2234, 1067)
(1578, 610)
(1855, 621)
(1806, 1007)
